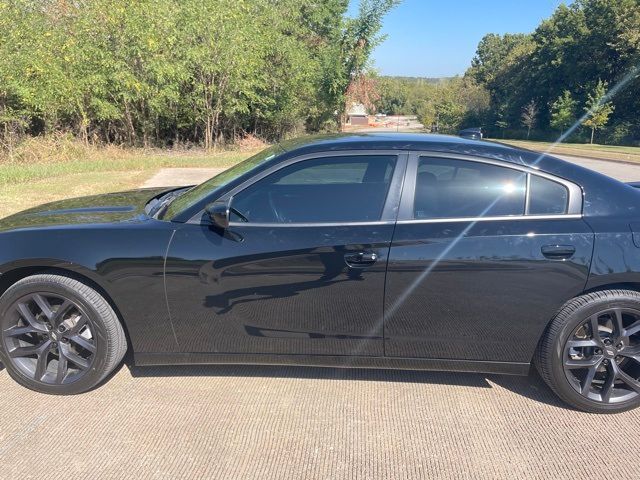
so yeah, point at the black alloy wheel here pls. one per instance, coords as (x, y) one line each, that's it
(58, 335)
(602, 356)
(49, 338)
(590, 352)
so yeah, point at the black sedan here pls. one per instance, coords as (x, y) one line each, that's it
(385, 251)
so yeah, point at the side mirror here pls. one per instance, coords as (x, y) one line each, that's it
(219, 213)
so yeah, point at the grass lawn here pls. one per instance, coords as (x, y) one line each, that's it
(23, 185)
(604, 152)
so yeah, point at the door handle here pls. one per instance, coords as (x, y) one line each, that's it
(361, 259)
(558, 252)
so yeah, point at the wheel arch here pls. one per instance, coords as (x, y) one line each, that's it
(11, 276)
(633, 286)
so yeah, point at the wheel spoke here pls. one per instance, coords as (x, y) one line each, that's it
(83, 342)
(28, 317)
(632, 353)
(587, 342)
(607, 388)
(617, 323)
(60, 311)
(42, 363)
(43, 305)
(17, 331)
(76, 359)
(632, 329)
(588, 380)
(29, 351)
(594, 361)
(81, 321)
(595, 330)
(631, 382)
(62, 369)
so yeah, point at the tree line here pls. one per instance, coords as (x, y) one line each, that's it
(159, 73)
(580, 66)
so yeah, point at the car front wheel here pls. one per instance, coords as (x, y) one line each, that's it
(58, 335)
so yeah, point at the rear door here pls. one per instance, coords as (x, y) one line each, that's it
(301, 268)
(483, 255)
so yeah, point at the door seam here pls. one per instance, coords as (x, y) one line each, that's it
(386, 269)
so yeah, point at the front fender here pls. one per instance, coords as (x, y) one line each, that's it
(125, 260)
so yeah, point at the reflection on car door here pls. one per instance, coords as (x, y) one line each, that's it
(482, 257)
(304, 274)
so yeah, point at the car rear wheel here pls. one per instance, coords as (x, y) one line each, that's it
(590, 354)
(58, 335)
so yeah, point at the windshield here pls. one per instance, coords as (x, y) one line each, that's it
(200, 192)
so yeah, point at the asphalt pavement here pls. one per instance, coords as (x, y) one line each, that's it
(624, 171)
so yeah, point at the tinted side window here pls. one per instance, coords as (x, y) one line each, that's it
(447, 188)
(332, 189)
(547, 197)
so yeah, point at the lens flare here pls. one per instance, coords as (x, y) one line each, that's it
(390, 310)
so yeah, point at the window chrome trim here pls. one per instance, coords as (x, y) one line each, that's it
(389, 209)
(527, 198)
(574, 204)
(560, 216)
(312, 224)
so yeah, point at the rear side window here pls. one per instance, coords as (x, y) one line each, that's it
(320, 190)
(448, 188)
(547, 197)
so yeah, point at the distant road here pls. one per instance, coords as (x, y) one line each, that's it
(626, 172)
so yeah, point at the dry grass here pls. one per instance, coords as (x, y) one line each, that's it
(20, 196)
(43, 170)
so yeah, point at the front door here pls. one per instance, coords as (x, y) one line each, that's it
(300, 270)
(482, 257)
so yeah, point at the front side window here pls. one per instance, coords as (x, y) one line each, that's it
(211, 186)
(322, 190)
(448, 188)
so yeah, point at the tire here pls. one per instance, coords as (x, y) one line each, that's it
(58, 335)
(594, 373)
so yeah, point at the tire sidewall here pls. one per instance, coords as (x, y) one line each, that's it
(556, 370)
(95, 373)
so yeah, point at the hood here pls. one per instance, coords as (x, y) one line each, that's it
(96, 209)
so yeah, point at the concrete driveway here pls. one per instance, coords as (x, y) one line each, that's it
(232, 422)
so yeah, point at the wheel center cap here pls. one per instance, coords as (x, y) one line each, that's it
(54, 336)
(609, 352)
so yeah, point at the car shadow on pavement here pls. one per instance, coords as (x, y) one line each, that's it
(531, 386)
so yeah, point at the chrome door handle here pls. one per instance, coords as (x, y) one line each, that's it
(361, 259)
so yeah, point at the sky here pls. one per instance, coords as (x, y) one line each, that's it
(438, 38)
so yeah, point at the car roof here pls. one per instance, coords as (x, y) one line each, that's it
(408, 141)
(589, 180)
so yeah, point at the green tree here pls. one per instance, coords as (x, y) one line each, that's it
(579, 44)
(597, 109)
(351, 55)
(563, 112)
(529, 116)
(501, 121)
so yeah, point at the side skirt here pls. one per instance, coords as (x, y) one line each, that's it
(507, 368)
